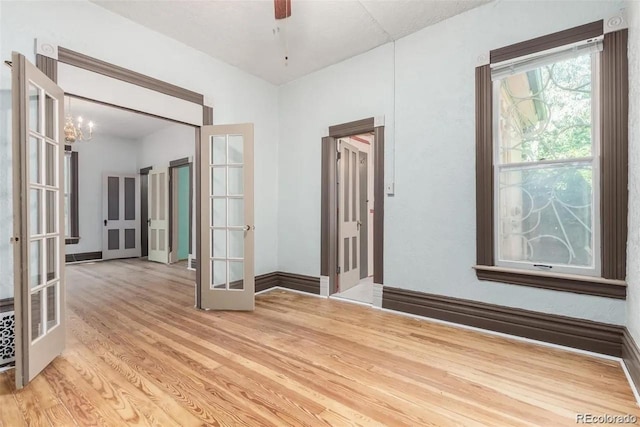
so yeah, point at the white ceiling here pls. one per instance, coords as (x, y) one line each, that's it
(111, 121)
(318, 33)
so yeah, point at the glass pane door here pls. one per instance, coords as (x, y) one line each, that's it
(227, 171)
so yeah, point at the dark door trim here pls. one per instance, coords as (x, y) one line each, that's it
(50, 67)
(144, 211)
(329, 207)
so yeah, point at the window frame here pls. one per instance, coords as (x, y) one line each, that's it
(73, 237)
(539, 60)
(612, 163)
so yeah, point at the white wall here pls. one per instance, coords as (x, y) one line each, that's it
(430, 221)
(236, 96)
(103, 154)
(633, 261)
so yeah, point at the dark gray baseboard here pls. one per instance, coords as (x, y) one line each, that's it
(84, 256)
(296, 282)
(576, 333)
(631, 357)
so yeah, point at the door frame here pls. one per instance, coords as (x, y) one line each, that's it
(144, 211)
(49, 66)
(173, 166)
(329, 205)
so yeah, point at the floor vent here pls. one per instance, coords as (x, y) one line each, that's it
(7, 337)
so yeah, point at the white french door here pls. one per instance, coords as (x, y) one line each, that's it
(158, 202)
(227, 259)
(349, 216)
(121, 213)
(38, 171)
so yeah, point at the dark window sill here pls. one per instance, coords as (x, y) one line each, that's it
(71, 240)
(558, 282)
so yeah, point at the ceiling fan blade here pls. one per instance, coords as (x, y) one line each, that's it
(282, 8)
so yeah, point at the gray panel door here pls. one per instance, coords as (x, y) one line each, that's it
(38, 188)
(121, 216)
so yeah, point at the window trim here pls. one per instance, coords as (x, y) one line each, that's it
(613, 92)
(74, 237)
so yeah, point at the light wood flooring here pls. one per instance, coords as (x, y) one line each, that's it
(139, 354)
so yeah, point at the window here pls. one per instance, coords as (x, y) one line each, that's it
(546, 163)
(552, 162)
(71, 219)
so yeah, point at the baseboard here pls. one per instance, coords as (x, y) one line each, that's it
(296, 282)
(84, 256)
(569, 332)
(631, 358)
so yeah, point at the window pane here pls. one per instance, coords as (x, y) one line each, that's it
(546, 215)
(545, 113)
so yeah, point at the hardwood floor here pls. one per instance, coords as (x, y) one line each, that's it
(139, 354)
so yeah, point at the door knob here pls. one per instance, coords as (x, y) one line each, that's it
(105, 222)
(149, 222)
(247, 227)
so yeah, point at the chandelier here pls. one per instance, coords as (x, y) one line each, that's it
(76, 132)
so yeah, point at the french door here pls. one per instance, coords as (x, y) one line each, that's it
(121, 213)
(349, 216)
(158, 202)
(39, 235)
(227, 259)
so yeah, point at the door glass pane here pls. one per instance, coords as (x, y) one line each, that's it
(35, 211)
(51, 200)
(236, 181)
(236, 243)
(113, 198)
(35, 147)
(52, 259)
(219, 212)
(154, 199)
(219, 244)
(162, 189)
(218, 150)
(219, 181)
(236, 213)
(236, 147)
(52, 306)
(218, 274)
(35, 263)
(236, 275)
(51, 165)
(34, 109)
(37, 306)
(546, 215)
(129, 198)
(50, 117)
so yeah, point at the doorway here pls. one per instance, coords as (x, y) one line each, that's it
(352, 211)
(355, 202)
(180, 209)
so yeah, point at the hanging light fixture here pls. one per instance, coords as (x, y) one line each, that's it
(76, 132)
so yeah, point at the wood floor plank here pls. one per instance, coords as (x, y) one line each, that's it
(138, 353)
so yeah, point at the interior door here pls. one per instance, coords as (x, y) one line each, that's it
(121, 213)
(159, 215)
(349, 216)
(38, 168)
(227, 259)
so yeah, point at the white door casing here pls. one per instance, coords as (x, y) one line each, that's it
(39, 234)
(121, 216)
(348, 216)
(158, 202)
(227, 259)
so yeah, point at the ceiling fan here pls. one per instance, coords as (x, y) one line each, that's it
(282, 8)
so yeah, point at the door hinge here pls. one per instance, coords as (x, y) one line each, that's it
(338, 270)
(338, 155)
